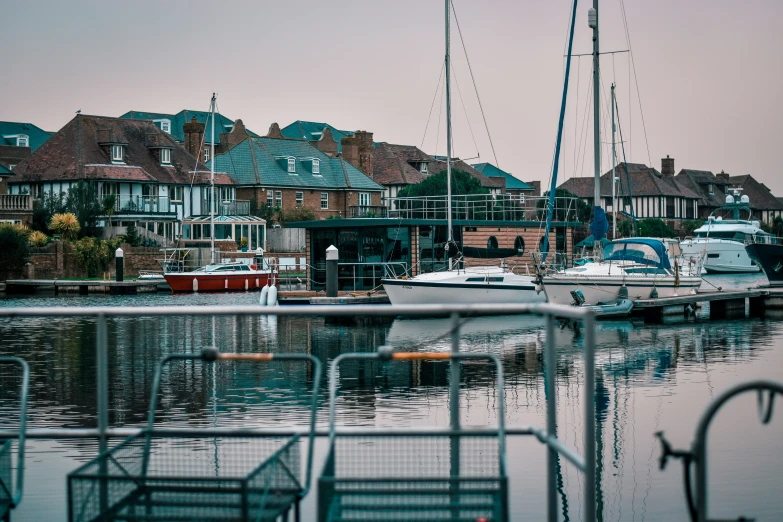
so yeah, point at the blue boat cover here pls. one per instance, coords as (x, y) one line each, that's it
(644, 251)
(600, 225)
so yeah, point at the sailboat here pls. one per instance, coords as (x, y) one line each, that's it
(470, 285)
(636, 268)
(218, 277)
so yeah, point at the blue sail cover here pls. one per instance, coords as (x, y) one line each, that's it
(600, 225)
(644, 251)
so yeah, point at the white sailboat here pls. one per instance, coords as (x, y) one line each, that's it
(461, 285)
(636, 268)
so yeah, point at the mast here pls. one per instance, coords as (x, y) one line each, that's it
(449, 232)
(614, 161)
(593, 23)
(212, 184)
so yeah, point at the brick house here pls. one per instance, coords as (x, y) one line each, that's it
(514, 186)
(155, 181)
(319, 134)
(17, 141)
(288, 173)
(763, 205)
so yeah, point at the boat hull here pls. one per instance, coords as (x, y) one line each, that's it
(225, 282)
(606, 289)
(407, 292)
(721, 256)
(770, 258)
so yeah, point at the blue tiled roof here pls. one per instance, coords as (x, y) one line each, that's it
(222, 124)
(263, 161)
(312, 131)
(4, 171)
(37, 137)
(491, 171)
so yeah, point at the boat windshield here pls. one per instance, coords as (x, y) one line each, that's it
(645, 252)
(733, 236)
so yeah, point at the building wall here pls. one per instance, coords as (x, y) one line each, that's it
(339, 200)
(506, 237)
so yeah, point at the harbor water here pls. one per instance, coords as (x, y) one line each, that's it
(649, 378)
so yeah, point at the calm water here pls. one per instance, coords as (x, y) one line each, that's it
(649, 378)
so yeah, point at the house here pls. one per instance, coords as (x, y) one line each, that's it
(514, 186)
(712, 189)
(763, 205)
(316, 132)
(197, 139)
(289, 173)
(156, 183)
(17, 141)
(653, 194)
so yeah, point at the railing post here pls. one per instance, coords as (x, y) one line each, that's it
(590, 452)
(102, 370)
(454, 381)
(551, 417)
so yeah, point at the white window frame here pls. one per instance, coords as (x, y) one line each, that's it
(117, 154)
(424, 169)
(324, 201)
(270, 198)
(206, 154)
(23, 140)
(11, 167)
(292, 165)
(367, 197)
(300, 198)
(316, 166)
(175, 193)
(279, 198)
(165, 126)
(165, 156)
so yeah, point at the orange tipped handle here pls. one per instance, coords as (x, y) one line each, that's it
(246, 356)
(417, 356)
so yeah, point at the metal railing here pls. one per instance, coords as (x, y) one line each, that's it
(547, 436)
(226, 207)
(131, 204)
(349, 275)
(16, 202)
(488, 207)
(367, 211)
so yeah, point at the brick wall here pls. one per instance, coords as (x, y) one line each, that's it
(339, 200)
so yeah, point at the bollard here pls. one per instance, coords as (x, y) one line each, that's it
(331, 271)
(119, 255)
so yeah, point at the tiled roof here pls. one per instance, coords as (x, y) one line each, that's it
(512, 183)
(222, 124)
(4, 171)
(74, 152)
(312, 131)
(645, 181)
(263, 161)
(37, 137)
(759, 194)
(699, 180)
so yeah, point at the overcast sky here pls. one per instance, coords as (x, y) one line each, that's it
(709, 73)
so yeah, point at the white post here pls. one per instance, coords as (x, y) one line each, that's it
(212, 186)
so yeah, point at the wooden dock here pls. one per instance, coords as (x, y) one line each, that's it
(723, 304)
(81, 287)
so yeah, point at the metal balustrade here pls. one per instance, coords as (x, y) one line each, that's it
(136, 204)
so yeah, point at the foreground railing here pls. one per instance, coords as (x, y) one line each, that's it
(547, 436)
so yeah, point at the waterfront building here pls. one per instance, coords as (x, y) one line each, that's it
(322, 135)
(17, 141)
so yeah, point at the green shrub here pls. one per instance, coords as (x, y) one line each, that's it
(14, 250)
(132, 236)
(95, 255)
(67, 225)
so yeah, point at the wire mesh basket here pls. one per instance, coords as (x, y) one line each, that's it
(15, 383)
(414, 475)
(196, 476)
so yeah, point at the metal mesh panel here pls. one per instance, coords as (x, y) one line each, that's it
(219, 478)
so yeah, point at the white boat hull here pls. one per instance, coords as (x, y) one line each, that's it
(605, 289)
(721, 256)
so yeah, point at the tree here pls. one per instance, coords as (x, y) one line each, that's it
(462, 183)
(689, 226)
(66, 225)
(300, 213)
(14, 250)
(108, 206)
(654, 227)
(625, 227)
(44, 208)
(568, 207)
(132, 236)
(83, 202)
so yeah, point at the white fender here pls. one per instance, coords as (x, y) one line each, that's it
(262, 299)
(246, 285)
(225, 284)
(195, 284)
(272, 299)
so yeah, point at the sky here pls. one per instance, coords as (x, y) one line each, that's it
(703, 86)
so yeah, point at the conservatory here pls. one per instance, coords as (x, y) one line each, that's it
(227, 228)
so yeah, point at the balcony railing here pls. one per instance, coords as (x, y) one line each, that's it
(16, 203)
(227, 207)
(367, 211)
(489, 207)
(142, 205)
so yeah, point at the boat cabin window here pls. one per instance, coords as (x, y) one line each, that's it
(475, 280)
(732, 236)
(484, 280)
(646, 270)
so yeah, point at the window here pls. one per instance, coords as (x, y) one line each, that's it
(165, 156)
(279, 199)
(299, 198)
(165, 126)
(270, 196)
(670, 207)
(710, 188)
(108, 188)
(206, 154)
(11, 167)
(316, 166)
(521, 197)
(324, 200)
(22, 140)
(492, 242)
(423, 169)
(519, 244)
(175, 193)
(292, 165)
(364, 199)
(117, 154)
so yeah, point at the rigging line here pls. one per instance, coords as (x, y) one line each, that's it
(583, 137)
(475, 87)
(201, 144)
(636, 79)
(576, 113)
(434, 97)
(456, 82)
(625, 167)
(440, 111)
(230, 155)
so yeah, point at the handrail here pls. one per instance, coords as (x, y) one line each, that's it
(16, 497)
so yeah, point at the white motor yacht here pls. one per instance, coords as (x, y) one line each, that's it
(646, 267)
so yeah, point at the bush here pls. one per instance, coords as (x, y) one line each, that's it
(299, 213)
(95, 255)
(132, 236)
(654, 227)
(689, 226)
(14, 250)
(38, 239)
(67, 225)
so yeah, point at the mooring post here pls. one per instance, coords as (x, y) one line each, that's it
(756, 306)
(332, 256)
(119, 256)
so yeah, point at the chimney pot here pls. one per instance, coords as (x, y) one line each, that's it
(667, 166)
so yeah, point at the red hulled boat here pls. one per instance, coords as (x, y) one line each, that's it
(220, 278)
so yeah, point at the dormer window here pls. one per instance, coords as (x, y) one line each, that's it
(165, 126)
(206, 155)
(292, 165)
(316, 166)
(710, 188)
(22, 140)
(423, 169)
(165, 156)
(117, 154)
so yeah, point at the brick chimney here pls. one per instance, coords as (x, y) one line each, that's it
(326, 143)
(723, 176)
(274, 131)
(194, 134)
(228, 140)
(358, 149)
(667, 166)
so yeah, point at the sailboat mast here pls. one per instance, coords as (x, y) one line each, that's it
(614, 161)
(449, 233)
(212, 184)
(593, 22)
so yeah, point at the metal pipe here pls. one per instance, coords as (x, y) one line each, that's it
(551, 417)
(102, 370)
(553, 442)
(589, 451)
(596, 111)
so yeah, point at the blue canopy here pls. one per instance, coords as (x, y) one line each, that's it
(589, 242)
(645, 251)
